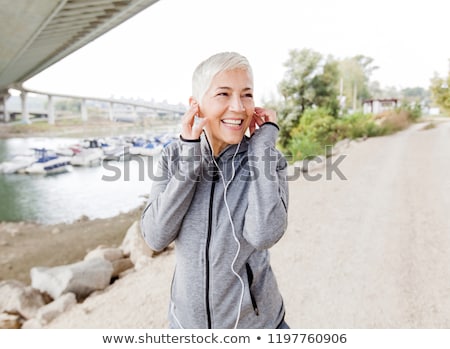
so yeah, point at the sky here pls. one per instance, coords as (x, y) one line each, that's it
(153, 54)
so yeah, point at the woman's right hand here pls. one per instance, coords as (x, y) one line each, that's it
(190, 130)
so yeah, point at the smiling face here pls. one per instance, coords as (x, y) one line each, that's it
(228, 106)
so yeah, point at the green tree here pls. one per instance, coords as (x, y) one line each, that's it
(309, 81)
(324, 85)
(440, 90)
(355, 74)
(414, 93)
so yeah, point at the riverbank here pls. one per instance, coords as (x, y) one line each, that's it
(75, 127)
(26, 245)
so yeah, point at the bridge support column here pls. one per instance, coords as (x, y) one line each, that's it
(4, 109)
(84, 114)
(111, 111)
(51, 110)
(25, 113)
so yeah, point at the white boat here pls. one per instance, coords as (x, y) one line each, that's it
(145, 147)
(17, 163)
(68, 150)
(90, 155)
(48, 163)
(151, 149)
(117, 153)
(165, 139)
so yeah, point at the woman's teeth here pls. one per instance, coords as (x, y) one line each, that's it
(232, 122)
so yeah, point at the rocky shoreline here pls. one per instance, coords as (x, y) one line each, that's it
(57, 287)
(25, 245)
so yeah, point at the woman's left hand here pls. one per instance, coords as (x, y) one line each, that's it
(260, 117)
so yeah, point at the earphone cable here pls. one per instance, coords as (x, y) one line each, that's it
(226, 184)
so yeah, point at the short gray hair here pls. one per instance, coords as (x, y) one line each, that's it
(208, 69)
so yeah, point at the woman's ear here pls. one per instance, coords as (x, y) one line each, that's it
(193, 100)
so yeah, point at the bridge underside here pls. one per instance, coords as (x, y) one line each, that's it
(37, 34)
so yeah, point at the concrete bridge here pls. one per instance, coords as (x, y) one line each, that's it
(49, 112)
(37, 34)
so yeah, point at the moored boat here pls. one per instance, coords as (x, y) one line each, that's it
(145, 147)
(17, 163)
(48, 163)
(91, 154)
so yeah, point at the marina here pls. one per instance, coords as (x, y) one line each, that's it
(60, 180)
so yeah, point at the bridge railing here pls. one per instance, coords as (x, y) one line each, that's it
(132, 106)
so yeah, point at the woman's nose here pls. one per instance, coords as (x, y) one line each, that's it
(236, 105)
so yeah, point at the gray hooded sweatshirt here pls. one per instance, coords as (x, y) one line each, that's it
(218, 282)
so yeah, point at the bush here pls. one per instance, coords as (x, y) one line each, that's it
(360, 125)
(317, 129)
(300, 148)
(414, 111)
(391, 121)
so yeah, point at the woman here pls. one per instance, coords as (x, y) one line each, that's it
(222, 197)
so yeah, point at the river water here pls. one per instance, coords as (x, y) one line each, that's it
(96, 192)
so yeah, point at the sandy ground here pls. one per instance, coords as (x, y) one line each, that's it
(25, 245)
(370, 251)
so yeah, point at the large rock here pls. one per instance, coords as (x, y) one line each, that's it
(9, 321)
(81, 278)
(17, 298)
(136, 248)
(113, 255)
(107, 253)
(120, 266)
(50, 311)
(32, 324)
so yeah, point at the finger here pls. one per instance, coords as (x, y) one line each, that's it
(271, 116)
(259, 110)
(188, 117)
(266, 115)
(198, 128)
(188, 121)
(252, 126)
(260, 114)
(259, 120)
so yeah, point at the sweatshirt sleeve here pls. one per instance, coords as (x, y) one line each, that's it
(172, 191)
(266, 216)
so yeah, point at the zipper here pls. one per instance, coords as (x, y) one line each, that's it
(216, 177)
(250, 281)
(208, 240)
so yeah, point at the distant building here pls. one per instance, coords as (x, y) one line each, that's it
(376, 106)
(434, 111)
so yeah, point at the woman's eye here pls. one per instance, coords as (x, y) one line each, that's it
(248, 95)
(222, 94)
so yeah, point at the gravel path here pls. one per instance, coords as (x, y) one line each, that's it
(371, 251)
